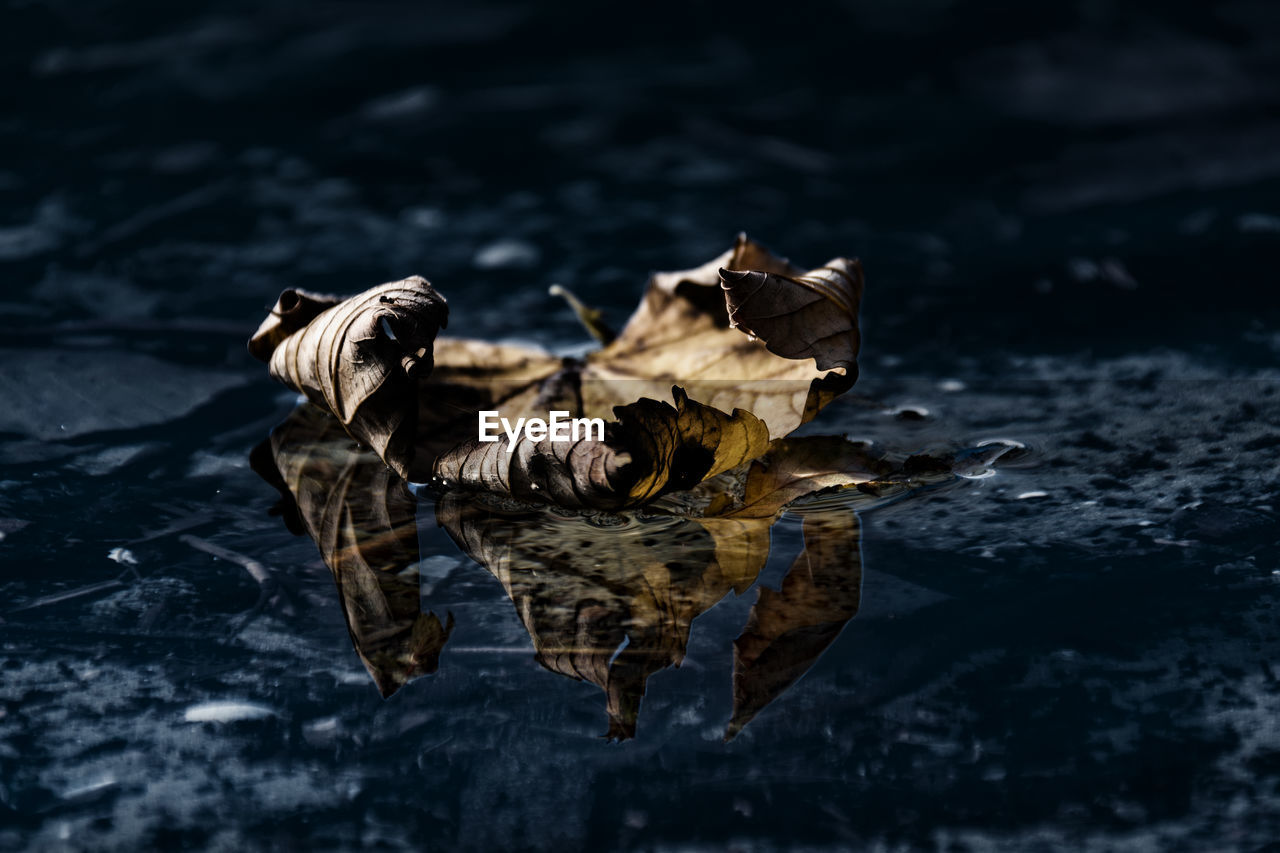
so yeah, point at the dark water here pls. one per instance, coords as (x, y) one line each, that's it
(1070, 222)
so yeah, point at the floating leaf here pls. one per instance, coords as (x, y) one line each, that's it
(609, 546)
(731, 393)
(685, 390)
(652, 448)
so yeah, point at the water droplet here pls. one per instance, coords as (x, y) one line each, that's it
(123, 556)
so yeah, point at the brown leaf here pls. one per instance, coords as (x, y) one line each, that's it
(682, 334)
(801, 316)
(652, 448)
(360, 359)
(712, 365)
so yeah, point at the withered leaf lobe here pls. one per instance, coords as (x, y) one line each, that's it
(360, 359)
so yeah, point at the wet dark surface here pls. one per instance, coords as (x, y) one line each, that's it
(1070, 222)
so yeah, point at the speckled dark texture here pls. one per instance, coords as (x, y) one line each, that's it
(1070, 223)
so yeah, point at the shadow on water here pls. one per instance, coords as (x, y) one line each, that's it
(606, 597)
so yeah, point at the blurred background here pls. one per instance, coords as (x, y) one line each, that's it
(1069, 217)
(1092, 176)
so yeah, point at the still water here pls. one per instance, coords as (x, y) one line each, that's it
(1069, 224)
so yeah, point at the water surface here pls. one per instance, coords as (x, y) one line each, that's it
(1069, 223)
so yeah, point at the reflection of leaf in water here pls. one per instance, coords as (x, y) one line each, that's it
(789, 628)
(609, 597)
(363, 519)
(606, 598)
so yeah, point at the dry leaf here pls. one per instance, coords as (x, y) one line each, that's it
(714, 363)
(360, 359)
(652, 448)
(795, 364)
(608, 547)
(730, 392)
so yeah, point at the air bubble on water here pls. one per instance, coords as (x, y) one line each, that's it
(226, 712)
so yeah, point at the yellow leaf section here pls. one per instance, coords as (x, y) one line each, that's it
(687, 443)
